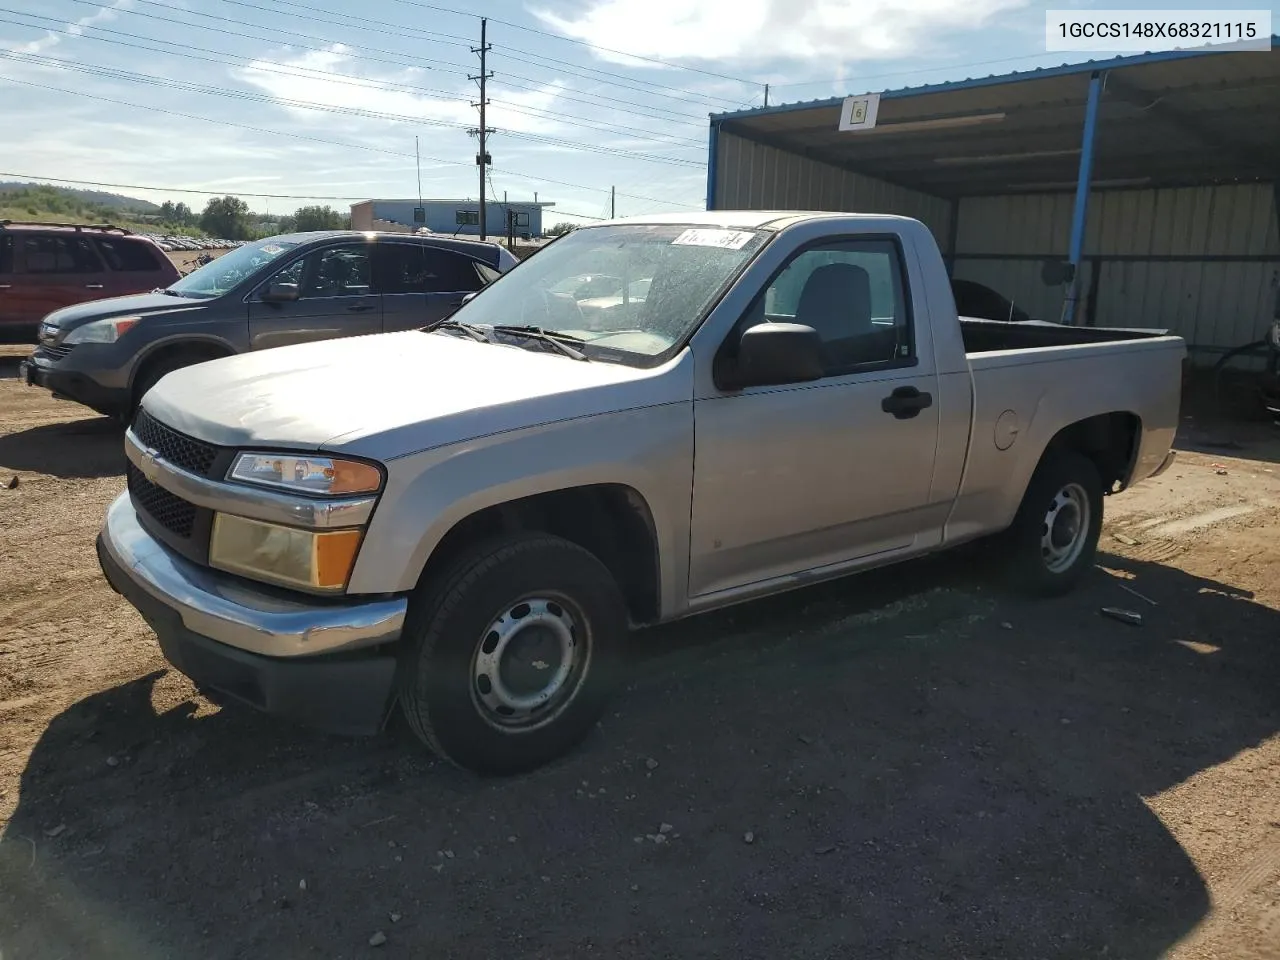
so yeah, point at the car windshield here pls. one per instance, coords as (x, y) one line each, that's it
(228, 270)
(630, 292)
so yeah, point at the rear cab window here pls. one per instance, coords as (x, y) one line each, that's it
(125, 255)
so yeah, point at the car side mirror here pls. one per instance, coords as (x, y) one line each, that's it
(774, 354)
(280, 293)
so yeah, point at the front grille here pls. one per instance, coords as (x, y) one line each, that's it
(54, 351)
(194, 456)
(168, 510)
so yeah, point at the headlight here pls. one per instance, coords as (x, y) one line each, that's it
(327, 476)
(312, 560)
(102, 331)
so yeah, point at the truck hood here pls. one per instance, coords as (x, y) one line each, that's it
(68, 318)
(392, 394)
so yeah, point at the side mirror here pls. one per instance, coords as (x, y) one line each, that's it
(774, 354)
(1054, 273)
(279, 293)
(469, 296)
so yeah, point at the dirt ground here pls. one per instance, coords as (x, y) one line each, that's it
(907, 764)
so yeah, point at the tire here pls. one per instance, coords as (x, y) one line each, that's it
(1054, 536)
(469, 657)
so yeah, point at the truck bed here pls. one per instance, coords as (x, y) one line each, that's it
(989, 336)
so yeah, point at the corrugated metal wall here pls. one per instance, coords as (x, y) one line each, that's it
(1212, 303)
(752, 176)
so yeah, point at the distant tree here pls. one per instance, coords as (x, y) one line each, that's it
(226, 217)
(286, 225)
(183, 215)
(317, 218)
(560, 229)
(168, 213)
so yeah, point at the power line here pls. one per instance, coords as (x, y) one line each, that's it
(115, 73)
(399, 29)
(295, 70)
(334, 143)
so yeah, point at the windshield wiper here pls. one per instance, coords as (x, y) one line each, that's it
(475, 333)
(167, 292)
(565, 343)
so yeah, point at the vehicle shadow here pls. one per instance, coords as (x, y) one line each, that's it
(77, 449)
(859, 769)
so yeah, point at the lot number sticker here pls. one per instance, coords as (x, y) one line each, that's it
(725, 239)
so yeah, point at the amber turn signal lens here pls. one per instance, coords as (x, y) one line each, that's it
(351, 476)
(335, 556)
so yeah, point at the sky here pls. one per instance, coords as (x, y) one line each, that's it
(320, 101)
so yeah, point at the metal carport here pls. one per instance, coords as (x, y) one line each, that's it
(1164, 191)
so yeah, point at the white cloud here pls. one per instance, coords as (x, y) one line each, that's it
(326, 77)
(75, 27)
(756, 30)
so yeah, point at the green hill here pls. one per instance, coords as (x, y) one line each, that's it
(34, 201)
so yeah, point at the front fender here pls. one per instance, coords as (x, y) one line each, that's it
(649, 450)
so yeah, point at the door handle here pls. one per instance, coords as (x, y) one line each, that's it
(906, 402)
(4, 286)
(93, 286)
(360, 307)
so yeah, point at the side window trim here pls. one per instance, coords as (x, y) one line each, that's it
(728, 347)
(97, 265)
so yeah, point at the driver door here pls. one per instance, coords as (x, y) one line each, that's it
(336, 298)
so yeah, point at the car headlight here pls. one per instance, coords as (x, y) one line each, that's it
(102, 331)
(323, 476)
(316, 560)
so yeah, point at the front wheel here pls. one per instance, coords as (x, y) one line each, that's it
(512, 653)
(1054, 537)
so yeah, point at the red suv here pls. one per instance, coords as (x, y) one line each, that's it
(44, 266)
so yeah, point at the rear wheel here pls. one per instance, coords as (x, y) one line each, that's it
(512, 653)
(1054, 537)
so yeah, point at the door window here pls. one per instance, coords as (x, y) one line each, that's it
(130, 256)
(57, 254)
(330, 272)
(413, 268)
(852, 293)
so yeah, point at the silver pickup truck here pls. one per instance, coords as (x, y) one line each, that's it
(467, 520)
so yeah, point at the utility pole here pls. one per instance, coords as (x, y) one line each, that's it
(766, 94)
(613, 202)
(482, 158)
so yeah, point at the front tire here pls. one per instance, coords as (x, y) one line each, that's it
(512, 653)
(1054, 537)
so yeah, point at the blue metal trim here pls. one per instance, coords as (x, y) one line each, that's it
(713, 155)
(1080, 212)
(1040, 73)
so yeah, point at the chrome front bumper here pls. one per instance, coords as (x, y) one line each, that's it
(230, 611)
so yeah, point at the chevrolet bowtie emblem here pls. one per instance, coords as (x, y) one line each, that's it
(148, 466)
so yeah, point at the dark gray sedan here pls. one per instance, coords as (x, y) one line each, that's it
(283, 290)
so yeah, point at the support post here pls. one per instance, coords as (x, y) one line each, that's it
(712, 151)
(1080, 213)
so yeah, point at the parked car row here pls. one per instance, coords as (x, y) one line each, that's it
(171, 243)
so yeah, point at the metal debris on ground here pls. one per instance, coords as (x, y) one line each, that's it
(11, 483)
(1131, 617)
(378, 939)
(1127, 541)
(748, 837)
(1140, 596)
